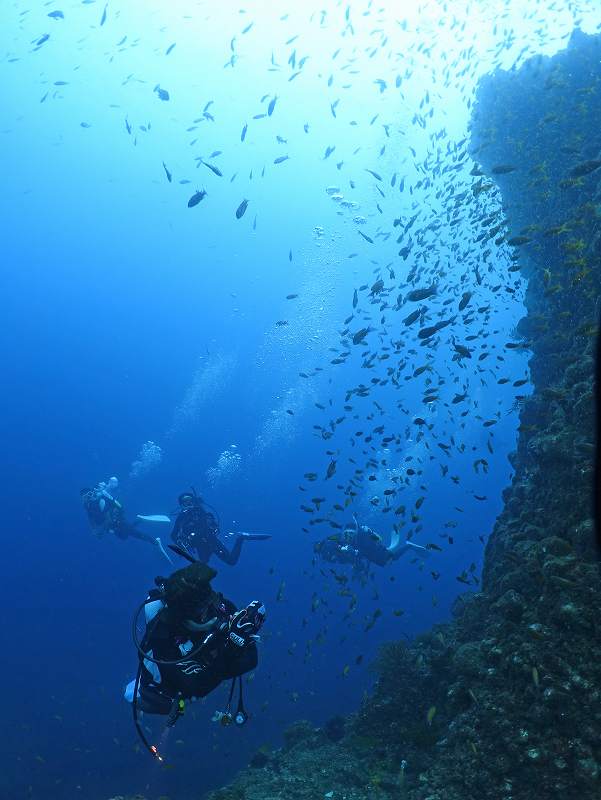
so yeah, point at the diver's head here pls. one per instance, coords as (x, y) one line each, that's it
(188, 500)
(186, 587)
(112, 484)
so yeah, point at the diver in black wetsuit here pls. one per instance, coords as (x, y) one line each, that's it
(195, 639)
(106, 514)
(197, 530)
(361, 546)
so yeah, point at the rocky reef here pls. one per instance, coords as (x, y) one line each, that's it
(505, 700)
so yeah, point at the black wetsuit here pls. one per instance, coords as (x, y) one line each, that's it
(197, 530)
(333, 550)
(199, 675)
(371, 547)
(359, 548)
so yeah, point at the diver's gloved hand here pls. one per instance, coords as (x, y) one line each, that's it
(244, 625)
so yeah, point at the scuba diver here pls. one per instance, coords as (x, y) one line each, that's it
(361, 546)
(197, 530)
(195, 639)
(106, 515)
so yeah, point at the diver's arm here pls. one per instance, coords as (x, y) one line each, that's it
(177, 528)
(126, 530)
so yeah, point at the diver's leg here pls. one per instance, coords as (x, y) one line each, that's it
(230, 556)
(380, 555)
(126, 530)
(398, 547)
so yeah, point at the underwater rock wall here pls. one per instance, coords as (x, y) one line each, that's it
(505, 701)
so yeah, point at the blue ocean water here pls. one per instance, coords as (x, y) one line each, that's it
(128, 317)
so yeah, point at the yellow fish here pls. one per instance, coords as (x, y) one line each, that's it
(431, 714)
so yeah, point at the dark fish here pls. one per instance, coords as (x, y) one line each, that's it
(241, 210)
(162, 93)
(516, 241)
(103, 18)
(196, 198)
(213, 168)
(56, 15)
(271, 106)
(243, 134)
(167, 173)
(291, 296)
(331, 469)
(463, 351)
(580, 170)
(415, 315)
(366, 237)
(465, 298)
(355, 299)
(360, 335)
(422, 294)
(375, 174)
(281, 159)
(170, 48)
(503, 169)
(42, 39)
(329, 150)
(425, 333)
